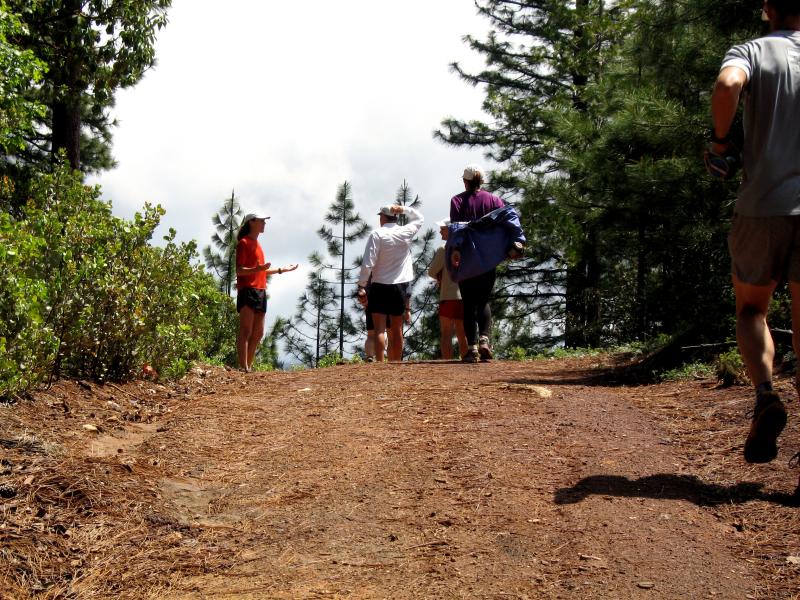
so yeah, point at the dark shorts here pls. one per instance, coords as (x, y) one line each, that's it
(371, 323)
(451, 309)
(387, 298)
(765, 249)
(255, 299)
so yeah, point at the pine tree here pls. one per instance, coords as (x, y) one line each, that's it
(222, 261)
(345, 226)
(267, 355)
(541, 55)
(599, 112)
(311, 334)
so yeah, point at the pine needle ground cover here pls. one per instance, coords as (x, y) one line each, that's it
(516, 479)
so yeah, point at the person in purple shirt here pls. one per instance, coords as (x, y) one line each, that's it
(470, 205)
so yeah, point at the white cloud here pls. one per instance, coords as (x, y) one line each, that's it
(282, 102)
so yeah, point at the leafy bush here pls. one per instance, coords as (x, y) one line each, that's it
(730, 368)
(83, 293)
(568, 353)
(330, 360)
(696, 370)
(517, 353)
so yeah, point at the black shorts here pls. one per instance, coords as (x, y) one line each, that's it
(387, 298)
(255, 299)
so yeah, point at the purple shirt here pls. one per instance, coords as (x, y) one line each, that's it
(468, 206)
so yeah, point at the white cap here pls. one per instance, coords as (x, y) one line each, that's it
(251, 216)
(387, 211)
(472, 172)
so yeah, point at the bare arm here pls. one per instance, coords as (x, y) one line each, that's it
(724, 102)
(281, 270)
(240, 270)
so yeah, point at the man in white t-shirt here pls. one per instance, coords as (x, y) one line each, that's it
(387, 258)
(764, 240)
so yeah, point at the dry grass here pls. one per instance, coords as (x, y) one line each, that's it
(78, 526)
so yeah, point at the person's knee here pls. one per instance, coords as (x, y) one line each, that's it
(750, 311)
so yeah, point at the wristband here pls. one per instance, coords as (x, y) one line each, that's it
(280, 271)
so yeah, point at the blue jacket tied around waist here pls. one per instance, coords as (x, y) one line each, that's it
(483, 243)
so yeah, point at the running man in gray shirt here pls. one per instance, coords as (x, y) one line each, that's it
(764, 240)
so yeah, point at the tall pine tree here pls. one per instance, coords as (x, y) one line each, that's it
(312, 332)
(220, 257)
(343, 227)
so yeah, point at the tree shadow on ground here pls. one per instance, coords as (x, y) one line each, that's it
(665, 486)
(599, 378)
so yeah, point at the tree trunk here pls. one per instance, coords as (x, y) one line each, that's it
(641, 281)
(67, 87)
(67, 130)
(582, 327)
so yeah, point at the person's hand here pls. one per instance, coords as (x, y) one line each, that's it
(291, 267)
(455, 258)
(362, 297)
(397, 209)
(722, 160)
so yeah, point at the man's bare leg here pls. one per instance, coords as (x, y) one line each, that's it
(794, 290)
(752, 332)
(758, 352)
(396, 339)
(380, 335)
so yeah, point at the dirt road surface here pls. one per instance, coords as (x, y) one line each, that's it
(422, 480)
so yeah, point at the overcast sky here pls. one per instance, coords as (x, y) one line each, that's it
(284, 101)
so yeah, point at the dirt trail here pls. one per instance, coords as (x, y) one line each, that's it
(503, 480)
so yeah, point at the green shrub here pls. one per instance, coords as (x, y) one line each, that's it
(83, 293)
(517, 353)
(696, 370)
(567, 353)
(330, 360)
(730, 368)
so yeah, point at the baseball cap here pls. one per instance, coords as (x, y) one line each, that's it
(472, 171)
(251, 216)
(386, 211)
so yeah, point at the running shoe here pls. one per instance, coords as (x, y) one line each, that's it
(769, 419)
(471, 355)
(484, 350)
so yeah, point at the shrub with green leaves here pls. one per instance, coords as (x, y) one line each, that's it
(84, 293)
(730, 368)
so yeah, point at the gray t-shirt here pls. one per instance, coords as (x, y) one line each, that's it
(771, 152)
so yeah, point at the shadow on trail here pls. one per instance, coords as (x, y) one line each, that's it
(600, 378)
(666, 486)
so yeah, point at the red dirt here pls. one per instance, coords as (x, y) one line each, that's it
(422, 480)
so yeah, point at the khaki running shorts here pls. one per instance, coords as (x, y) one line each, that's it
(765, 249)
